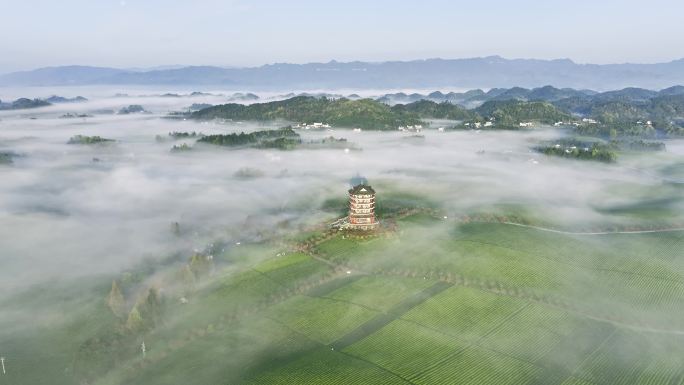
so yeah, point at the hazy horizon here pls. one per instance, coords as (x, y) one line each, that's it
(128, 33)
(262, 192)
(332, 60)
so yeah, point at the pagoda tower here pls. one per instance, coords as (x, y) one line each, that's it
(362, 208)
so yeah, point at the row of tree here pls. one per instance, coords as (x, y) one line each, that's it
(83, 139)
(253, 138)
(147, 311)
(144, 315)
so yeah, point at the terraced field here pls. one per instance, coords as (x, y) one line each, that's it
(406, 348)
(532, 333)
(380, 293)
(498, 326)
(477, 366)
(328, 367)
(465, 313)
(320, 319)
(438, 303)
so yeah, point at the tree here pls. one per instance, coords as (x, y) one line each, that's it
(135, 322)
(188, 279)
(200, 265)
(613, 133)
(115, 300)
(150, 308)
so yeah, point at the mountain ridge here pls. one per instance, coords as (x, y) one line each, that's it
(482, 72)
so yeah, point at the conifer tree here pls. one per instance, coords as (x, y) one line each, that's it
(188, 278)
(175, 228)
(115, 300)
(200, 265)
(135, 322)
(151, 308)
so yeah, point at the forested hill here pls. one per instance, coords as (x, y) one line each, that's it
(619, 114)
(430, 109)
(364, 113)
(513, 112)
(371, 114)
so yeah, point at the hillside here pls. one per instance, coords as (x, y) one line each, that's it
(512, 112)
(430, 109)
(608, 115)
(365, 113)
(666, 113)
(24, 103)
(546, 93)
(626, 111)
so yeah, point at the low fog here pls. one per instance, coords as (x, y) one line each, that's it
(73, 217)
(73, 210)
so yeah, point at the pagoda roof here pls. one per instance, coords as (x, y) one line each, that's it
(362, 189)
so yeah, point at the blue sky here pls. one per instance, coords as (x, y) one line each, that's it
(144, 33)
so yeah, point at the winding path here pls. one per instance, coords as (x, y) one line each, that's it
(671, 230)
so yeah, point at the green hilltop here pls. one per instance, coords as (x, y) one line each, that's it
(430, 109)
(513, 112)
(364, 113)
(374, 115)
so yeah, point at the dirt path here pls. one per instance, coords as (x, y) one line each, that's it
(672, 230)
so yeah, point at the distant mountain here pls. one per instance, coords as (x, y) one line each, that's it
(515, 93)
(61, 99)
(23, 104)
(433, 110)
(568, 98)
(512, 112)
(550, 94)
(672, 91)
(205, 75)
(26, 103)
(63, 76)
(488, 72)
(628, 94)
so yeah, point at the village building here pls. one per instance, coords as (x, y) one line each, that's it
(362, 208)
(314, 126)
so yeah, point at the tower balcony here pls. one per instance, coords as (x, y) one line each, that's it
(362, 206)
